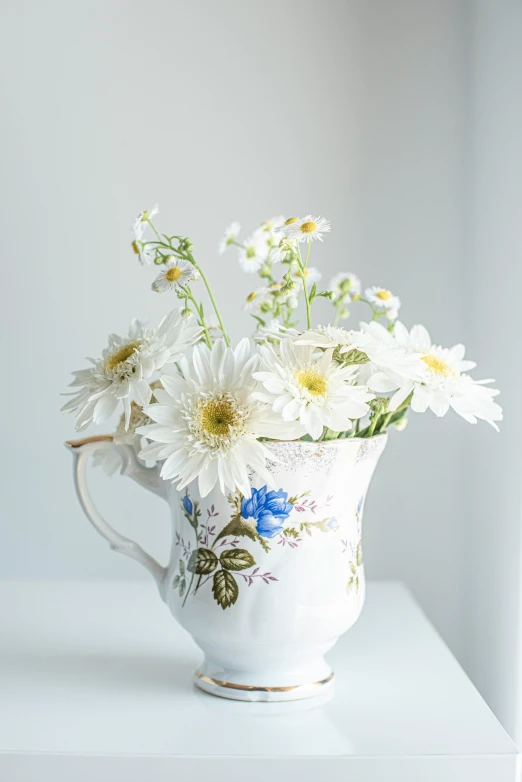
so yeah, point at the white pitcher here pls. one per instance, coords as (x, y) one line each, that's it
(267, 584)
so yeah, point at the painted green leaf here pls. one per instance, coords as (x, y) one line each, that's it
(225, 588)
(349, 585)
(202, 561)
(239, 527)
(182, 585)
(236, 559)
(359, 555)
(176, 580)
(182, 567)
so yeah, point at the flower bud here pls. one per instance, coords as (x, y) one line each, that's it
(159, 260)
(289, 286)
(168, 258)
(379, 405)
(401, 424)
(187, 313)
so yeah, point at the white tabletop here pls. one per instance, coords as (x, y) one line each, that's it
(95, 686)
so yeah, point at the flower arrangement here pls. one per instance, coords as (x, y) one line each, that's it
(204, 409)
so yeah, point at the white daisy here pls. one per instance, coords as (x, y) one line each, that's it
(311, 275)
(256, 299)
(391, 370)
(144, 252)
(253, 253)
(315, 392)
(208, 421)
(142, 219)
(174, 274)
(229, 237)
(383, 301)
(274, 330)
(121, 375)
(308, 228)
(346, 286)
(444, 383)
(389, 366)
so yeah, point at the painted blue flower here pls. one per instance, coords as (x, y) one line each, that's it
(187, 504)
(359, 506)
(333, 524)
(269, 509)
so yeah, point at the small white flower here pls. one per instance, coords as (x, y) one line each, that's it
(273, 224)
(311, 275)
(229, 237)
(256, 299)
(143, 251)
(282, 251)
(121, 375)
(253, 254)
(174, 274)
(208, 421)
(266, 235)
(346, 286)
(142, 220)
(308, 228)
(317, 392)
(383, 301)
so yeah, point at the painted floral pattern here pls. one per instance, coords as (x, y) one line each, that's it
(269, 509)
(266, 517)
(354, 549)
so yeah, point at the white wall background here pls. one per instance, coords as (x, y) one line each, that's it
(380, 116)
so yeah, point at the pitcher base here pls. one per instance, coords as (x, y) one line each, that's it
(248, 692)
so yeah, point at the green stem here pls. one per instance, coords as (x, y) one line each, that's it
(373, 424)
(202, 321)
(305, 288)
(308, 254)
(385, 422)
(212, 299)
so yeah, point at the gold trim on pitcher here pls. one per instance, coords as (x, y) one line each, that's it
(97, 438)
(253, 688)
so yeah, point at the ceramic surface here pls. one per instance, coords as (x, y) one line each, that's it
(265, 584)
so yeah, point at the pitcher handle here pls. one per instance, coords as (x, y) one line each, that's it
(81, 450)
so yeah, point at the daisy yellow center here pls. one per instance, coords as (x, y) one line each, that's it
(291, 220)
(250, 252)
(121, 355)
(437, 365)
(383, 295)
(173, 274)
(301, 274)
(251, 296)
(217, 417)
(135, 247)
(309, 227)
(312, 381)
